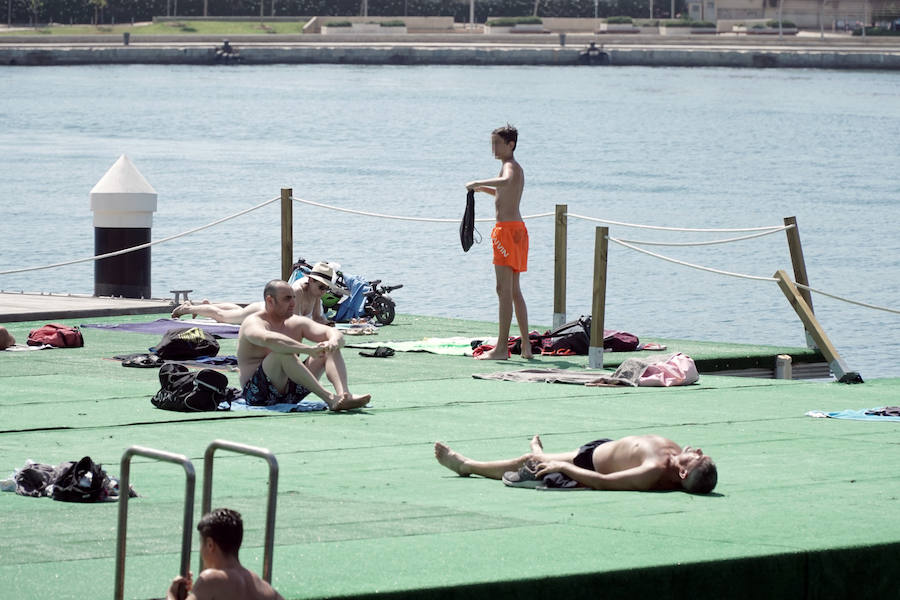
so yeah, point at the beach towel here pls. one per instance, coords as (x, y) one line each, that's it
(677, 369)
(305, 405)
(161, 326)
(451, 346)
(549, 375)
(24, 348)
(865, 414)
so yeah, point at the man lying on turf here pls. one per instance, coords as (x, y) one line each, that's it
(634, 463)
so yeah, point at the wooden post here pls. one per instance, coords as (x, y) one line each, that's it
(287, 233)
(796, 250)
(838, 367)
(559, 265)
(601, 258)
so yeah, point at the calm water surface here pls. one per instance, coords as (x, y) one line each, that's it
(675, 147)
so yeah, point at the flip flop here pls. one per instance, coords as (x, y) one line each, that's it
(380, 352)
(652, 346)
(144, 361)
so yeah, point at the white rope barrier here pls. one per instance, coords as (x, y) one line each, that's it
(873, 306)
(141, 246)
(693, 229)
(763, 231)
(691, 265)
(709, 243)
(402, 218)
(754, 277)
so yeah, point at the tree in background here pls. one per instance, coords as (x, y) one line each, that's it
(34, 8)
(98, 6)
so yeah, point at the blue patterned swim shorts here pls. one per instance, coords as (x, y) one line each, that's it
(259, 391)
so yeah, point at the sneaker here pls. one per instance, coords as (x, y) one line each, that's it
(523, 478)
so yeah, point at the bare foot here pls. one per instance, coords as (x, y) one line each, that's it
(452, 460)
(347, 401)
(536, 445)
(495, 354)
(182, 309)
(526, 353)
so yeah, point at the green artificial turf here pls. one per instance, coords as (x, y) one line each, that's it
(803, 507)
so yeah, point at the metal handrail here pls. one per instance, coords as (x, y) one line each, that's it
(206, 505)
(124, 474)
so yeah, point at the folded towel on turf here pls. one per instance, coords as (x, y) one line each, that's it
(302, 406)
(865, 414)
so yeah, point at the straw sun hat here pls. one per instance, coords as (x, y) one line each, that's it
(323, 273)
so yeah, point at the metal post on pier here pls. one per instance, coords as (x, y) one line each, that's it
(560, 246)
(124, 488)
(841, 372)
(799, 264)
(287, 233)
(206, 503)
(601, 258)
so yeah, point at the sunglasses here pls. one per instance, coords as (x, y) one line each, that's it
(322, 287)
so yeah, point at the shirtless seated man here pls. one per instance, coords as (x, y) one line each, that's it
(223, 576)
(635, 463)
(308, 291)
(269, 343)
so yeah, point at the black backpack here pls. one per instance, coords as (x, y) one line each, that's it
(184, 390)
(572, 338)
(186, 343)
(82, 481)
(575, 338)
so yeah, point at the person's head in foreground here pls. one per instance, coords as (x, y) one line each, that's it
(221, 532)
(697, 471)
(6, 339)
(223, 577)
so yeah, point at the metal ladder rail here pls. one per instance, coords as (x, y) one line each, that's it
(124, 473)
(206, 505)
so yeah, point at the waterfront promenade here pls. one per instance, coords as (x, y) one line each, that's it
(722, 50)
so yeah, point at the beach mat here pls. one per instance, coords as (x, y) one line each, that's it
(452, 346)
(855, 415)
(160, 326)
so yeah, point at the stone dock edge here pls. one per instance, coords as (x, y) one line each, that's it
(823, 57)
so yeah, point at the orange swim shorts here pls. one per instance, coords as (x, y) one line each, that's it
(510, 241)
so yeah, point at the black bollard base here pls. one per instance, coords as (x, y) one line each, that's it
(125, 275)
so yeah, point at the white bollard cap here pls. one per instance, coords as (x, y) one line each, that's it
(123, 198)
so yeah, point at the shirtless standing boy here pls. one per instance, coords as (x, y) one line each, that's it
(509, 239)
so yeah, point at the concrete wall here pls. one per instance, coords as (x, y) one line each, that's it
(474, 55)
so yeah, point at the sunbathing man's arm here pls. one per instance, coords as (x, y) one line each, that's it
(637, 479)
(329, 338)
